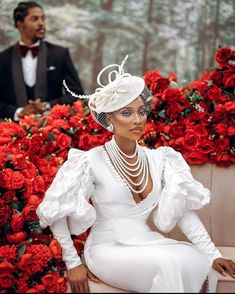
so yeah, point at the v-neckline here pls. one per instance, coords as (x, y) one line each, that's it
(123, 181)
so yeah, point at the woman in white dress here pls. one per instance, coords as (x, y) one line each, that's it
(127, 184)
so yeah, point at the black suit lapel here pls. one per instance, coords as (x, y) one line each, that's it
(18, 78)
(41, 76)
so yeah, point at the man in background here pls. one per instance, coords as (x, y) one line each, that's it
(32, 71)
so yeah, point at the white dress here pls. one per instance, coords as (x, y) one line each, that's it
(121, 249)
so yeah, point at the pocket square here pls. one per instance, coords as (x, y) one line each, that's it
(51, 67)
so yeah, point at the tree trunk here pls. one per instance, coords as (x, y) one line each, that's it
(146, 38)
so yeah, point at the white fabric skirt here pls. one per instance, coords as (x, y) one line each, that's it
(176, 267)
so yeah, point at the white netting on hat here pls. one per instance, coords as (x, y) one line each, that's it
(116, 97)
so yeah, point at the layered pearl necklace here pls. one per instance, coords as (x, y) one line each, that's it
(129, 170)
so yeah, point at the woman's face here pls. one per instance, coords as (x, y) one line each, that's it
(129, 122)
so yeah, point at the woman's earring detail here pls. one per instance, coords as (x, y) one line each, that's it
(110, 128)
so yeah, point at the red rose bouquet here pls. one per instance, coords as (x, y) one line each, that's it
(199, 119)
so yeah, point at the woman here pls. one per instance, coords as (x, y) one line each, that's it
(127, 185)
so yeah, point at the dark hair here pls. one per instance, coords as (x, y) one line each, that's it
(22, 10)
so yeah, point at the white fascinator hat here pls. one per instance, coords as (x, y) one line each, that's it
(121, 89)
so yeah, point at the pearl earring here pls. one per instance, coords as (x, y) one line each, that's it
(110, 128)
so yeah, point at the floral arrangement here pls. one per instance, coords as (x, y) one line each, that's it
(197, 120)
(30, 155)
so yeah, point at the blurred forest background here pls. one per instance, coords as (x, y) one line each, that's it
(178, 36)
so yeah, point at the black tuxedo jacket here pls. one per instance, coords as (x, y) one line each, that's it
(54, 65)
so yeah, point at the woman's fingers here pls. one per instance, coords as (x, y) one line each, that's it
(93, 277)
(86, 287)
(230, 266)
(219, 269)
(81, 288)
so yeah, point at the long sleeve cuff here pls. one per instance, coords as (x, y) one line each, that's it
(193, 228)
(61, 232)
(16, 114)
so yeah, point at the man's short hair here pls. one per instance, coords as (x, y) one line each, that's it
(22, 10)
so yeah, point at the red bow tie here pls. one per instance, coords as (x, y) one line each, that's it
(24, 49)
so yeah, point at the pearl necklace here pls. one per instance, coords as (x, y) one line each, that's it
(128, 170)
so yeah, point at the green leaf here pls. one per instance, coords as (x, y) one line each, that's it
(14, 205)
(162, 113)
(43, 123)
(72, 111)
(50, 137)
(21, 250)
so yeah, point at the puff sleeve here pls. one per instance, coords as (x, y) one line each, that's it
(68, 195)
(180, 191)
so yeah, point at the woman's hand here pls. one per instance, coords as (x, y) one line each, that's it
(223, 265)
(78, 279)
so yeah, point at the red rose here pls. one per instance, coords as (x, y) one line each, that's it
(41, 254)
(222, 56)
(39, 238)
(230, 107)
(61, 286)
(219, 113)
(221, 129)
(192, 140)
(172, 95)
(50, 281)
(35, 144)
(151, 76)
(200, 130)
(173, 110)
(17, 223)
(29, 213)
(25, 261)
(8, 196)
(63, 141)
(37, 289)
(6, 280)
(214, 93)
(207, 146)
(229, 79)
(200, 86)
(60, 123)
(156, 82)
(39, 185)
(195, 157)
(172, 76)
(196, 115)
(16, 237)
(222, 144)
(34, 200)
(8, 252)
(54, 283)
(11, 180)
(5, 139)
(6, 267)
(223, 159)
(55, 249)
(231, 130)
(84, 141)
(213, 75)
(19, 160)
(5, 213)
(43, 165)
(60, 111)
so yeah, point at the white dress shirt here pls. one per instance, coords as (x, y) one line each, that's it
(29, 66)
